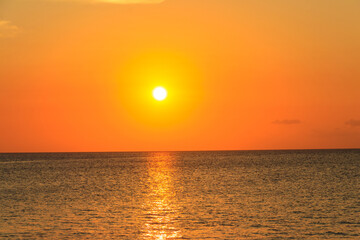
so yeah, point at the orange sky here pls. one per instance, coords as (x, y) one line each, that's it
(77, 75)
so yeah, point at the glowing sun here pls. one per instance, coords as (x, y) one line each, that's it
(159, 93)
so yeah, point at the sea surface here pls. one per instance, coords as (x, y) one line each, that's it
(307, 194)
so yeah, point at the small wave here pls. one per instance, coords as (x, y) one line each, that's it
(336, 233)
(257, 226)
(346, 222)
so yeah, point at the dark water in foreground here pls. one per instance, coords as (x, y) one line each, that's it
(181, 195)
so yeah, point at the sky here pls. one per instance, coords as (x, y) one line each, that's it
(77, 75)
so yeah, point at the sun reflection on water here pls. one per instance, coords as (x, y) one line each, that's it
(160, 205)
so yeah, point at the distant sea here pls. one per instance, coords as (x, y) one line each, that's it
(304, 194)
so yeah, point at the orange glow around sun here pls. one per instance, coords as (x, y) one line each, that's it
(152, 76)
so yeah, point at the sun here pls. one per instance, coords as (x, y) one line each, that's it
(159, 93)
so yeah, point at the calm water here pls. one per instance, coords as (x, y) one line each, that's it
(181, 195)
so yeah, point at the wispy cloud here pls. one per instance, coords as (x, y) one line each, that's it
(287, 122)
(7, 29)
(353, 123)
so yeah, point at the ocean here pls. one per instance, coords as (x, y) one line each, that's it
(302, 194)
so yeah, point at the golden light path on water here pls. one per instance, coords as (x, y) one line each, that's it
(161, 205)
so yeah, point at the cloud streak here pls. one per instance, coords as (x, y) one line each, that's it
(353, 123)
(287, 122)
(7, 29)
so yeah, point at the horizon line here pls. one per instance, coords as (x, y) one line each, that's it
(230, 150)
